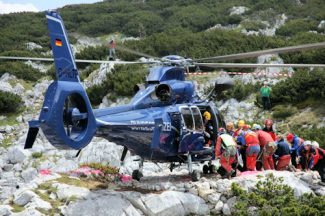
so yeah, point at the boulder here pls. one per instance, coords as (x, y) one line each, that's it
(320, 191)
(226, 210)
(18, 89)
(65, 191)
(238, 10)
(17, 154)
(175, 203)
(29, 174)
(102, 203)
(36, 202)
(64, 165)
(24, 197)
(5, 210)
(32, 46)
(219, 206)
(214, 198)
(4, 86)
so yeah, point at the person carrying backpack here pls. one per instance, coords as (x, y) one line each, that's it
(226, 151)
(268, 147)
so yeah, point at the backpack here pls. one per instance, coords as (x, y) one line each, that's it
(228, 144)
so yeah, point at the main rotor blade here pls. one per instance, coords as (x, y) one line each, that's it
(141, 54)
(264, 52)
(245, 65)
(77, 60)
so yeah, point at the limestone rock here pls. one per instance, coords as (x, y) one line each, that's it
(64, 165)
(226, 210)
(5, 210)
(4, 86)
(101, 151)
(214, 198)
(39, 203)
(219, 206)
(24, 197)
(175, 203)
(65, 191)
(18, 89)
(17, 154)
(32, 46)
(29, 174)
(238, 10)
(102, 203)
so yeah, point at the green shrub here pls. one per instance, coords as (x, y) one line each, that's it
(293, 27)
(240, 91)
(282, 112)
(252, 25)
(20, 70)
(9, 102)
(301, 86)
(119, 82)
(272, 197)
(37, 154)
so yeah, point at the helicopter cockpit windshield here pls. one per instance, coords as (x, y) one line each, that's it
(192, 118)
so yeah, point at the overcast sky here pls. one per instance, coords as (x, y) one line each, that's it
(10, 6)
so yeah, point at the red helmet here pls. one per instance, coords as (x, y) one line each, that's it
(268, 122)
(246, 127)
(290, 137)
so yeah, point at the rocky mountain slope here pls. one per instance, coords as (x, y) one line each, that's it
(48, 181)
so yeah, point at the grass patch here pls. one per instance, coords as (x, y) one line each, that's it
(37, 155)
(16, 208)
(55, 203)
(10, 119)
(282, 112)
(86, 183)
(7, 142)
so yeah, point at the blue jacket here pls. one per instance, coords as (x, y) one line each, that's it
(282, 148)
(295, 144)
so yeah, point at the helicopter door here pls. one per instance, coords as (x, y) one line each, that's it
(192, 130)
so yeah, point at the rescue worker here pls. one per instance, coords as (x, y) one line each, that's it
(265, 94)
(251, 146)
(306, 154)
(319, 160)
(230, 128)
(240, 126)
(295, 142)
(112, 46)
(267, 145)
(268, 127)
(282, 154)
(226, 151)
(208, 129)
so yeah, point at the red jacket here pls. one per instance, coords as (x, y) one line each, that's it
(319, 155)
(264, 137)
(251, 138)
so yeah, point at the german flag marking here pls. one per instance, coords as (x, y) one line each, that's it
(58, 42)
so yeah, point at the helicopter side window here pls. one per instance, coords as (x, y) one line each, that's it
(197, 119)
(188, 119)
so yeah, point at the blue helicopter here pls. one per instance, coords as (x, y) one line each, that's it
(162, 123)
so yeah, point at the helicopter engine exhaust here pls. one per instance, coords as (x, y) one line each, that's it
(163, 92)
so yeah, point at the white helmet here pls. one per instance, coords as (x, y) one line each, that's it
(315, 144)
(307, 143)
